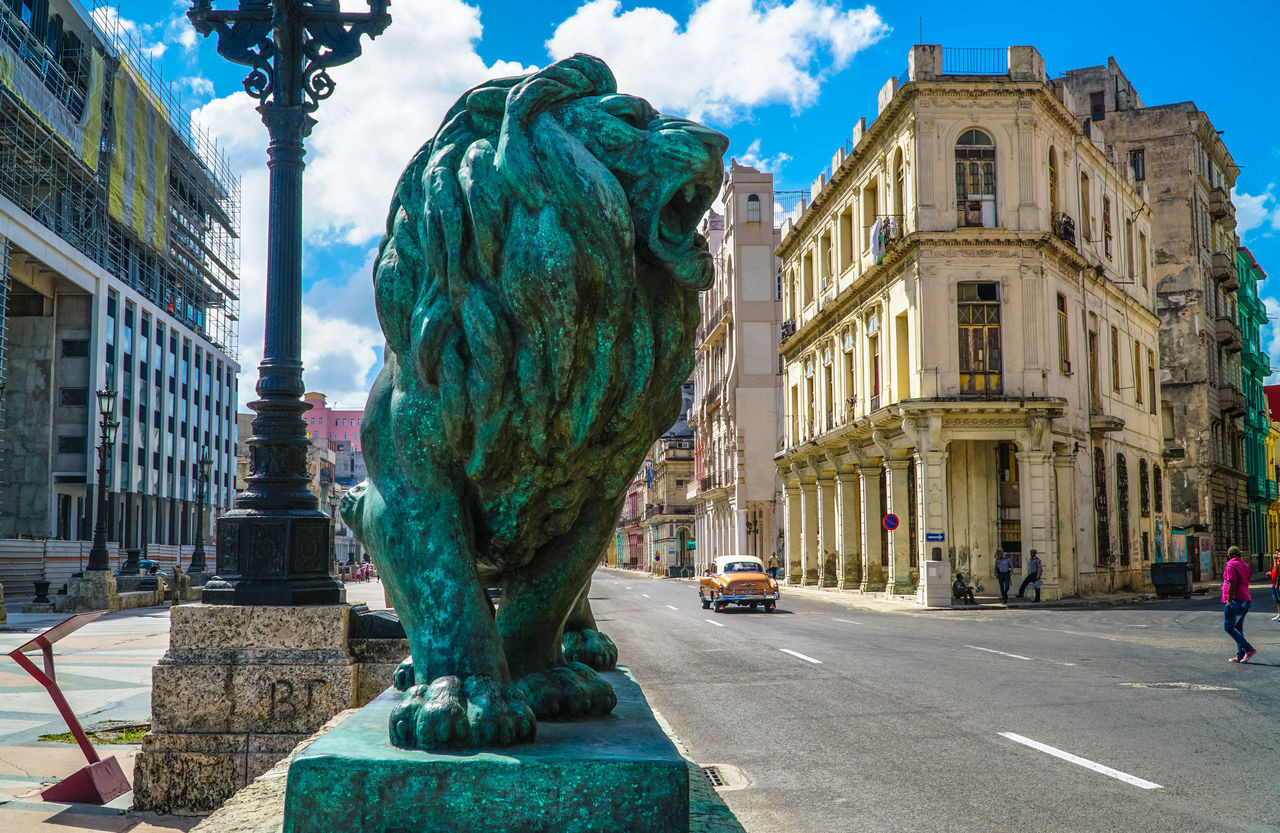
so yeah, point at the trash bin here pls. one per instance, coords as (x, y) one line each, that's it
(674, 571)
(1172, 578)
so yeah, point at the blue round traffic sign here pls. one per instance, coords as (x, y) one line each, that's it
(890, 522)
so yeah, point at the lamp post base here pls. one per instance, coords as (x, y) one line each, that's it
(274, 557)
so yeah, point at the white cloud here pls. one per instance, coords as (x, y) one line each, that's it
(1256, 211)
(769, 164)
(728, 57)
(386, 104)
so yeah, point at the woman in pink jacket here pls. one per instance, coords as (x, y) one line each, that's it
(1235, 602)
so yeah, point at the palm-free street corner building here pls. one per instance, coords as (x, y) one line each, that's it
(971, 342)
(118, 247)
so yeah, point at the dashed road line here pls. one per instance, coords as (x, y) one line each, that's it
(646, 595)
(846, 621)
(1084, 762)
(714, 622)
(673, 607)
(1001, 653)
(801, 656)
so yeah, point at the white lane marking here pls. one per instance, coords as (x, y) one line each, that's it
(847, 621)
(646, 595)
(673, 607)
(714, 622)
(627, 586)
(801, 656)
(1001, 653)
(1084, 762)
(1180, 686)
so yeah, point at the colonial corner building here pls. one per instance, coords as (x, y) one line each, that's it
(973, 342)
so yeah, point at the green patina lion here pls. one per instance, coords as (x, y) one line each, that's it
(537, 286)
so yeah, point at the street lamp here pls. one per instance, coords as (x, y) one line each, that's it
(99, 560)
(271, 546)
(202, 480)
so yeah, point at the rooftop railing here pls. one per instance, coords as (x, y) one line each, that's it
(957, 60)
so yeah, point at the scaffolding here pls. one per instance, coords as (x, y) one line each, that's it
(99, 149)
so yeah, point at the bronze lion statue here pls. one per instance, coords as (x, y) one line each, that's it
(537, 286)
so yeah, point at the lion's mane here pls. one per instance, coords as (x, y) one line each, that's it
(536, 338)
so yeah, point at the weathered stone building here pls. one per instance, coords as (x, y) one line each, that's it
(736, 408)
(1178, 157)
(971, 342)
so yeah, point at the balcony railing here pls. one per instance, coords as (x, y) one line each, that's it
(1223, 268)
(1220, 203)
(713, 394)
(885, 230)
(786, 330)
(1064, 227)
(657, 509)
(1273, 492)
(975, 61)
(1230, 400)
(1228, 332)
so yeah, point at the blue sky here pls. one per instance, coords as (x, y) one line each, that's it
(785, 79)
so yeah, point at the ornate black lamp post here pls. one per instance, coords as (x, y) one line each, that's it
(273, 547)
(99, 560)
(202, 483)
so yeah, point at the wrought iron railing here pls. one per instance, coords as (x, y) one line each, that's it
(786, 330)
(1064, 227)
(657, 509)
(957, 60)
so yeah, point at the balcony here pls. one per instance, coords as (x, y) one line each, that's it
(1273, 493)
(1230, 400)
(663, 509)
(1257, 488)
(885, 231)
(1229, 334)
(1064, 228)
(1223, 269)
(1220, 204)
(786, 330)
(1105, 423)
(712, 396)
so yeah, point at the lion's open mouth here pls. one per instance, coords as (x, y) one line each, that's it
(679, 217)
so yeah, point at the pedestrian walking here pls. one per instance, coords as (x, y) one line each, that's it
(1034, 570)
(773, 568)
(1235, 603)
(1275, 584)
(1004, 574)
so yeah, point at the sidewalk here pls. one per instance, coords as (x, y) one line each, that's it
(104, 670)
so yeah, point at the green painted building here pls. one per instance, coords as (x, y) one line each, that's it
(1254, 370)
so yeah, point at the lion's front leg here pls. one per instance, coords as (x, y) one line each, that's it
(537, 601)
(583, 642)
(456, 690)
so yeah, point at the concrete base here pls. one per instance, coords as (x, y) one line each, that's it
(237, 689)
(612, 774)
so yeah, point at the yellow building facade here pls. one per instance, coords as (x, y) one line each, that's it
(971, 345)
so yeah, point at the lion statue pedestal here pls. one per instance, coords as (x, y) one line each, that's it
(538, 288)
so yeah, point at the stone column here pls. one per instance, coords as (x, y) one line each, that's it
(872, 570)
(899, 578)
(739, 517)
(809, 533)
(792, 530)
(827, 544)
(849, 530)
(1039, 518)
(1064, 568)
(931, 498)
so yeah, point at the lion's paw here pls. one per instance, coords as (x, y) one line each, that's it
(572, 690)
(591, 648)
(403, 679)
(460, 712)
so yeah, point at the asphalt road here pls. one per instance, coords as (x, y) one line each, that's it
(840, 718)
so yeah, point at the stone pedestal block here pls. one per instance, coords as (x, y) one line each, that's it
(94, 590)
(617, 773)
(237, 689)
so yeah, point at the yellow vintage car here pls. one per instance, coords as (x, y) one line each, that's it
(737, 580)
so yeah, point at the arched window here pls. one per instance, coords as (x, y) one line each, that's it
(1102, 513)
(1144, 490)
(753, 208)
(899, 183)
(1122, 509)
(975, 179)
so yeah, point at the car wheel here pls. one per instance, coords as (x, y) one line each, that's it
(706, 604)
(753, 605)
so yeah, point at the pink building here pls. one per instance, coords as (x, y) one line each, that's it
(336, 426)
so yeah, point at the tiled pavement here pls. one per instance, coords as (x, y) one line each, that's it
(105, 671)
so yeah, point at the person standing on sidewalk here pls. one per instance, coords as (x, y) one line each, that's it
(1275, 584)
(1235, 603)
(1034, 570)
(1004, 574)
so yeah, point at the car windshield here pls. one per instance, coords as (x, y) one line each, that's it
(742, 567)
